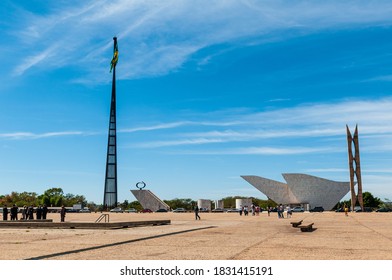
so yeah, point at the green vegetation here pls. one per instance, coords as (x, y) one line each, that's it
(56, 197)
(51, 197)
(368, 201)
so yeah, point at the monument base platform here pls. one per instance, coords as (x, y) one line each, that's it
(81, 225)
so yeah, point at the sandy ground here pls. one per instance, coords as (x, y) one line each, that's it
(221, 236)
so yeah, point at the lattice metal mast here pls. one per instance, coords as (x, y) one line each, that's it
(110, 192)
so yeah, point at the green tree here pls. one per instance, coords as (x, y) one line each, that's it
(135, 204)
(186, 203)
(53, 197)
(71, 199)
(370, 201)
(20, 199)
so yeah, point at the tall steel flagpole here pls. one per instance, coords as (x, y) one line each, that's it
(110, 192)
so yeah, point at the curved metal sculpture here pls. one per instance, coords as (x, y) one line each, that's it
(355, 167)
(140, 183)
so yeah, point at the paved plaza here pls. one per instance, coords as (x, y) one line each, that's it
(221, 236)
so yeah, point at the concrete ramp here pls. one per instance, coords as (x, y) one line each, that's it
(149, 200)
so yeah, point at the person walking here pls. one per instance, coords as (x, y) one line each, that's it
(345, 210)
(289, 212)
(280, 211)
(5, 213)
(246, 210)
(62, 213)
(197, 212)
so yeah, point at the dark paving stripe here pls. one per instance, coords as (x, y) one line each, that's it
(115, 244)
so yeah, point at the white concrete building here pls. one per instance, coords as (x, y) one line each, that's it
(301, 189)
(241, 202)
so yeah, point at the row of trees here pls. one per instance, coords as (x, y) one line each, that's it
(51, 197)
(368, 201)
(188, 203)
(56, 197)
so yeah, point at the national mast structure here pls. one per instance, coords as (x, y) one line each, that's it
(110, 191)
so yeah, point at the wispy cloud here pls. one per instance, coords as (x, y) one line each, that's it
(155, 127)
(30, 135)
(157, 37)
(308, 121)
(265, 151)
(385, 78)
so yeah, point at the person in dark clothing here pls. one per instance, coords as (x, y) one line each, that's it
(62, 213)
(5, 213)
(197, 212)
(39, 212)
(44, 212)
(31, 212)
(24, 213)
(14, 213)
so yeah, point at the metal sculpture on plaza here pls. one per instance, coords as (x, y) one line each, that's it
(110, 193)
(355, 167)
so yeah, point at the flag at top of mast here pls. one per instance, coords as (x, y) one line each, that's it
(113, 63)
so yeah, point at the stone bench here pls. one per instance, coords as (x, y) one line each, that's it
(308, 227)
(296, 224)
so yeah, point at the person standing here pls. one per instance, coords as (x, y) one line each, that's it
(197, 212)
(39, 212)
(44, 211)
(31, 212)
(14, 212)
(62, 213)
(24, 213)
(5, 213)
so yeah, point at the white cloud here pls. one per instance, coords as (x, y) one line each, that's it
(308, 121)
(30, 135)
(157, 37)
(271, 151)
(154, 127)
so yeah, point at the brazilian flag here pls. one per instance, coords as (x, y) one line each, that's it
(113, 63)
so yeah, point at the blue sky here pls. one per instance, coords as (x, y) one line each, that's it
(206, 90)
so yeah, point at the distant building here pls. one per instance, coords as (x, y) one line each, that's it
(242, 202)
(204, 203)
(301, 189)
(219, 204)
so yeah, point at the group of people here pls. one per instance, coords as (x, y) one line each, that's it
(255, 210)
(27, 212)
(13, 211)
(280, 210)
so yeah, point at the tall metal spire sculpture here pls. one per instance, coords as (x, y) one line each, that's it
(355, 169)
(110, 194)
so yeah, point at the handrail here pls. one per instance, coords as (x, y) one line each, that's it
(100, 218)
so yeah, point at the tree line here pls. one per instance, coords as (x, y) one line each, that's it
(55, 197)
